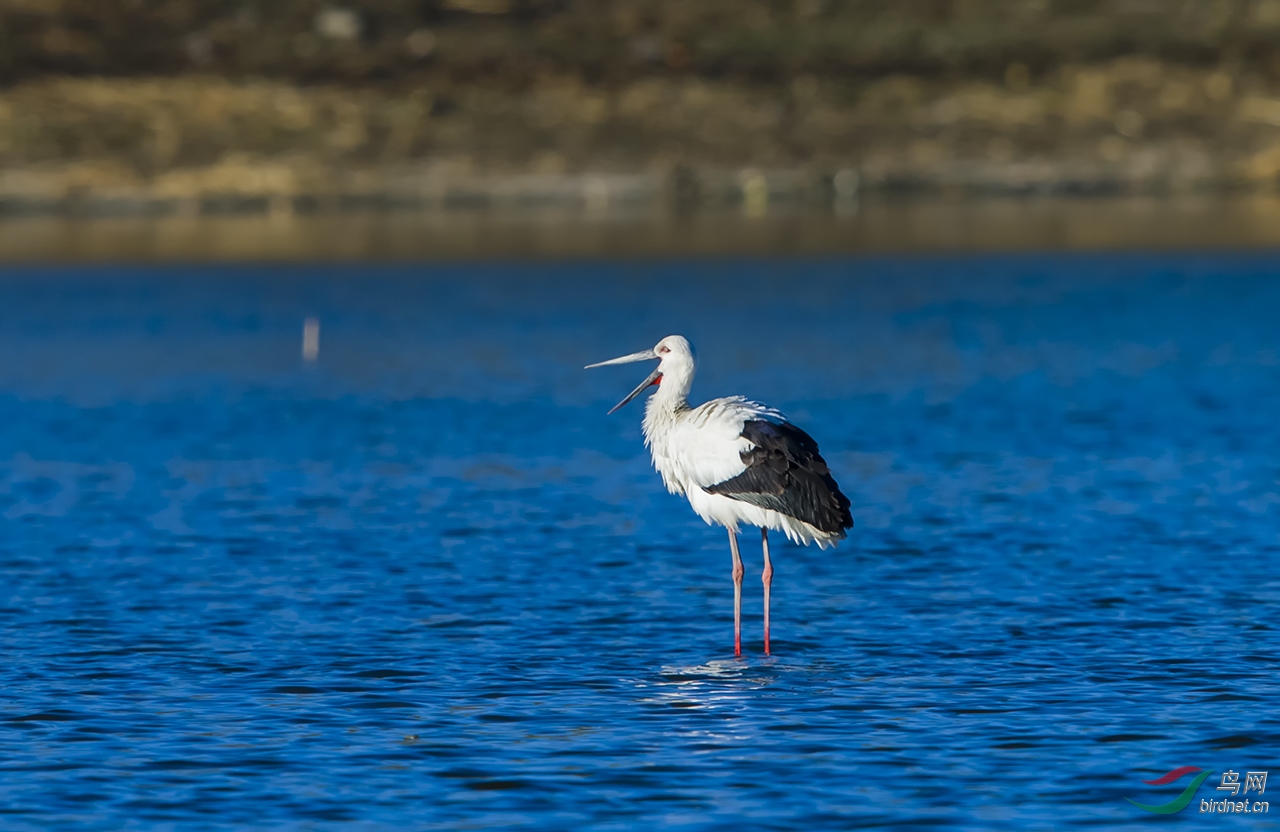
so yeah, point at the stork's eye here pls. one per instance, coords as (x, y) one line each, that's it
(664, 350)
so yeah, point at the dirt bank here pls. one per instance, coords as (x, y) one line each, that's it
(210, 106)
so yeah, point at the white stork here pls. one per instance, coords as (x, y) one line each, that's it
(737, 462)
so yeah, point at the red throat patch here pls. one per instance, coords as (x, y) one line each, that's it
(656, 381)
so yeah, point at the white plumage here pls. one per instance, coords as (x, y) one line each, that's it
(737, 462)
(696, 448)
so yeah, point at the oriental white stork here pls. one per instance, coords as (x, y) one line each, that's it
(737, 462)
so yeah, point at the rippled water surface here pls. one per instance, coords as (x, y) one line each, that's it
(426, 583)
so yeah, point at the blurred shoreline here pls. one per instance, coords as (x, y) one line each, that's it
(240, 129)
(203, 144)
(855, 226)
(203, 107)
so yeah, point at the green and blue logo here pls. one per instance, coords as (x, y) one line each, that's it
(1181, 801)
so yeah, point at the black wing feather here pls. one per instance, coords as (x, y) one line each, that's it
(786, 473)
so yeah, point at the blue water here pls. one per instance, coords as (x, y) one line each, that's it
(426, 583)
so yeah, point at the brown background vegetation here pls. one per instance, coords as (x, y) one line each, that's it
(182, 97)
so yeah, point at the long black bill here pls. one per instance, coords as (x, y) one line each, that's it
(652, 379)
(646, 355)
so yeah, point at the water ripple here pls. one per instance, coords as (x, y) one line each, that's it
(428, 584)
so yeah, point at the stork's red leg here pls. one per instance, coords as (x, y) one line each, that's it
(767, 577)
(737, 593)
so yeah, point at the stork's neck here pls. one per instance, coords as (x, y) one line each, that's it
(673, 391)
(668, 401)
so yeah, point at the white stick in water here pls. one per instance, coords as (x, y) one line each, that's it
(311, 339)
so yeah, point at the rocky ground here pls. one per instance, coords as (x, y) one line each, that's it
(206, 105)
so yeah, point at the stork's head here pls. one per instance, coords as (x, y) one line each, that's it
(675, 364)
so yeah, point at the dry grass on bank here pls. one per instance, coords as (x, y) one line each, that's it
(1138, 124)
